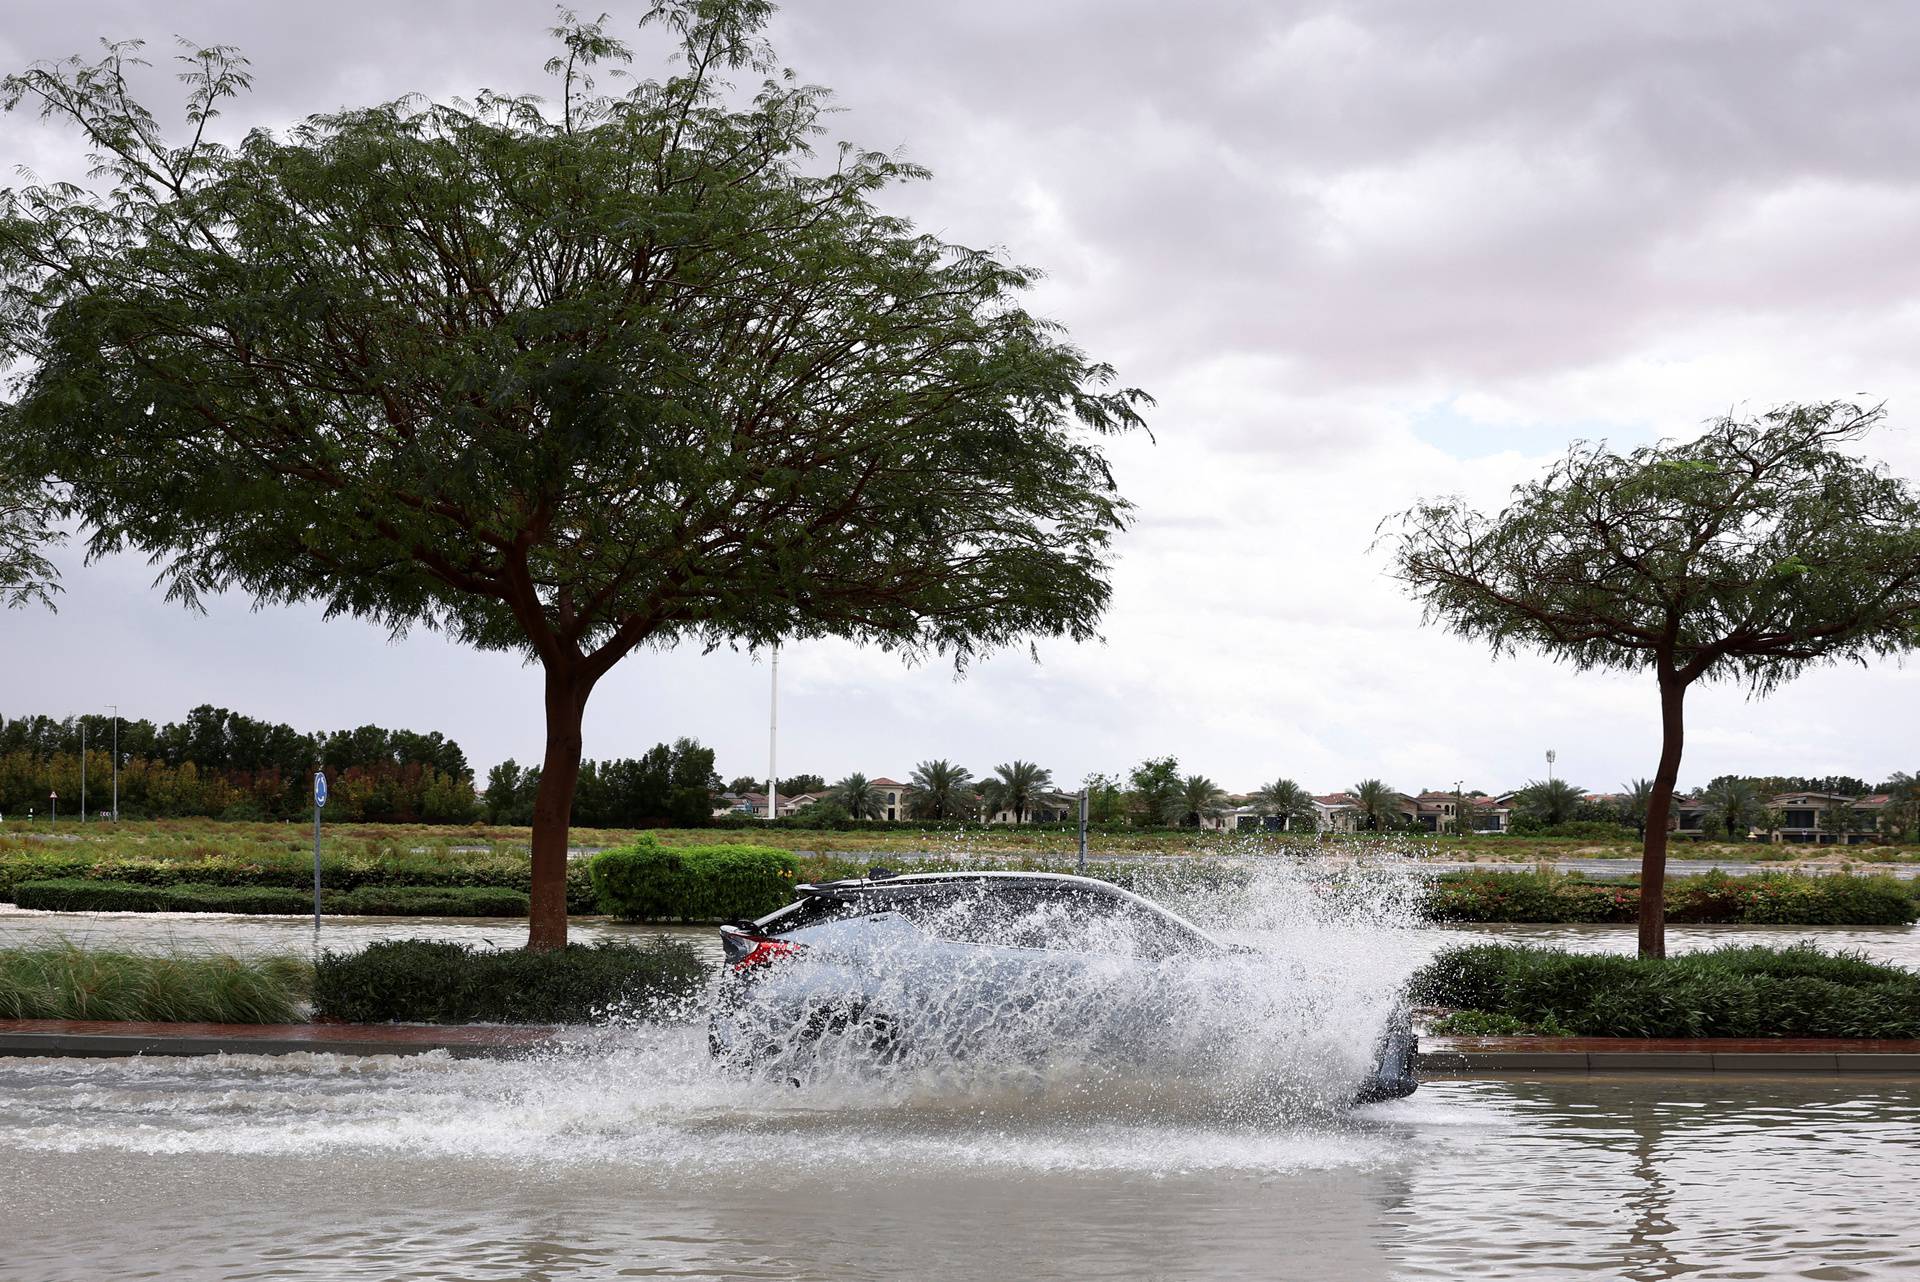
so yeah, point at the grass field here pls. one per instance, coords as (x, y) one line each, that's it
(203, 838)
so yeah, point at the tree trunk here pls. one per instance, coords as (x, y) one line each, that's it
(553, 808)
(1653, 855)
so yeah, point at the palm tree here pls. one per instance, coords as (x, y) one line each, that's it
(857, 793)
(1379, 804)
(1633, 804)
(1549, 802)
(1017, 785)
(941, 790)
(1288, 801)
(1200, 798)
(1735, 803)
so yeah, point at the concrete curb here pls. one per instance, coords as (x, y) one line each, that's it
(1470, 1056)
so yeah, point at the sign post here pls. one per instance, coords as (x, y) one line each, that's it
(1081, 866)
(319, 801)
(54, 798)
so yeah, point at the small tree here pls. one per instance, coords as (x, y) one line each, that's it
(1015, 787)
(563, 381)
(858, 797)
(1288, 802)
(1749, 554)
(1735, 803)
(1633, 805)
(1549, 802)
(1106, 799)
(1154, 786)
(941, 790)
(1200, 799)
(1378, 804)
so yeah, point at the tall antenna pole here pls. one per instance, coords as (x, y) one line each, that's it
(1551, 755)
(773, 740)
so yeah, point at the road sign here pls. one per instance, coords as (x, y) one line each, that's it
(319, 788)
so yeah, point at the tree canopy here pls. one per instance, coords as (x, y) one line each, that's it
(563, 379)
(1750, 553)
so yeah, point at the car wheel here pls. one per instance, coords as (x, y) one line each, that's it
(866, 1036)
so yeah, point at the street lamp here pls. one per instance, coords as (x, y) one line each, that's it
(116, 761)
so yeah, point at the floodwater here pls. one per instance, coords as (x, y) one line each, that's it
(627, 1153)
(629, 1157)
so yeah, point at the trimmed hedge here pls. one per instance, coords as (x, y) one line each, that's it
(1729, 992)
(423, 981)
(649, 882)
(74, 894)
(292, 870)
(1784, 899)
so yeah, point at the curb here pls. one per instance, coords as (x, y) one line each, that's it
(1466, 1056)
(103, 1039)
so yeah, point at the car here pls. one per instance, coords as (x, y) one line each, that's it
(891, 971)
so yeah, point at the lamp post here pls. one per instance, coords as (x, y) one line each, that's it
(116, 761)
(773, 739)
(83, 770)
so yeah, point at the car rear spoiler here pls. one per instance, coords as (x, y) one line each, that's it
(845, 883)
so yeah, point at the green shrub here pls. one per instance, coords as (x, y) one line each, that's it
(422, 981)
(1730, 992)
(1768, 899)
(645, 881)
(73, 894)
(426, 901)
(65, 982)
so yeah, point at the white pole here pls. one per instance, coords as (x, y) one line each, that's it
(116, 761)
(83, 768)
(773, 740)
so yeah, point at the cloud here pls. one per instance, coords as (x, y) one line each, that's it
(1360, 252)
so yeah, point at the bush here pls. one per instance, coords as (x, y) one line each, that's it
(649, 882)
(65, 982)
(1730, 992)
(421, 981)
(74, 894)
(1768, 899)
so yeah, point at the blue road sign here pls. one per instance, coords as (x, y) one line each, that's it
(319, 788)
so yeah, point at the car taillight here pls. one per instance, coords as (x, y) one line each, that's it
(765, 952)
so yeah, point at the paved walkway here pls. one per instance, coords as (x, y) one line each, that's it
(1471, 1056)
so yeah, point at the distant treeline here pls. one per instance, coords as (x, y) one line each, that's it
(223, 764)
(670, 785)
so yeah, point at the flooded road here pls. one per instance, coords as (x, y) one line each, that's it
(629, 1157)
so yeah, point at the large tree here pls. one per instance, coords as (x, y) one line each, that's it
(1015, 786)
(1748, 554)
(27, 528)
(1549, 802)
(1201, 799)
(561, 379)
(1378, 804)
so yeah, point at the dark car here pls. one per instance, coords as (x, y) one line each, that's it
(889, 970)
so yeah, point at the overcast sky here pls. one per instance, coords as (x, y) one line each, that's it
(1359, 253)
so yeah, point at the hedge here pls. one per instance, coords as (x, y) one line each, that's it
(75, 894)
(1786, 899)
(292, 870)
(424, 981)
(649, 882)
(1729, 992)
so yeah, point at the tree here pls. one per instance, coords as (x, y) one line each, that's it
(1735, 804)
(1549, 802)
(1378, 804)
(1200, 799)
(1015, 787)
(1903, 803)
(1839, 820)
(28, 514)
(858, 797)
(1106, 799)
(745, 783)
(1748, 554)
(799, 785)
(941, 790)
(1155, 785)
(564, 381)
(1287, 801)
(1633, 805)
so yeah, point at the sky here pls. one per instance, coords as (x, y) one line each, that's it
(1359, 253)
